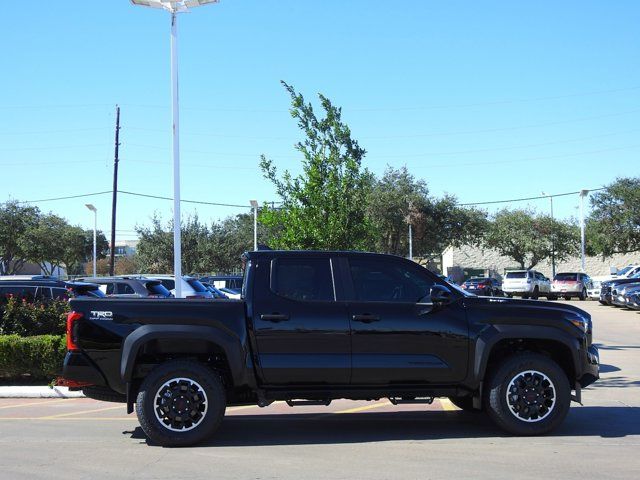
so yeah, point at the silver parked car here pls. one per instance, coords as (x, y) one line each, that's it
(572, 284)
(527, 283)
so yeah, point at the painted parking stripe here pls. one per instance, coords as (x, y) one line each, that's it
(446, 404)
(69, 414)
(45, 402)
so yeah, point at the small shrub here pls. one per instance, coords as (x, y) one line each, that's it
(40, 357)
(24, 318)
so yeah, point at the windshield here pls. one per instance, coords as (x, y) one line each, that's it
(624, 270)
(516, 275)
(196, 285)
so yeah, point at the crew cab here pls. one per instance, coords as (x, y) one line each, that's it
(312, 327)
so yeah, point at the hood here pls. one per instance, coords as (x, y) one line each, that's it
(510, 311)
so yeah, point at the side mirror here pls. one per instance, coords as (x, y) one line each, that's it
(440, 295)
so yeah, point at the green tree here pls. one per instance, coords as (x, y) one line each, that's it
(526, 237)
(325, 206)
(47, 242)
(614, 223)
(398, 199)
(15, 220)
(155, 247)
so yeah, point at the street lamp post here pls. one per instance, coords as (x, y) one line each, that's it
(174, 7)
(583, 194)
(553, 238)
(254, 205)
(95, 228)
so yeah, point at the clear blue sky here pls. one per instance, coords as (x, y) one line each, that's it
(485, 100)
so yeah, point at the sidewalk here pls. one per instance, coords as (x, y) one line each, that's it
(38, 392)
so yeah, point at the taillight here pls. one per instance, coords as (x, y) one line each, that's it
(72, 318)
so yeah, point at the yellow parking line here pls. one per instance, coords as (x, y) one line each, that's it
(36, 403)
(446, 404)
(362, 409)
(60, 415)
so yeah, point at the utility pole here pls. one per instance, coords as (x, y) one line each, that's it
(115, 196)
(583, 194)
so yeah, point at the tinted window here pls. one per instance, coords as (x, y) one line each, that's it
(196, 285)
(111, 289)
(126, 289)
(303, 279)
(381, 281)
(18, 291)
(565, 277)
(168, 283)
(516, 275)
(59, 293)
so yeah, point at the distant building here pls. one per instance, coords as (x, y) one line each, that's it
(467, 261)
(125, 248)
(30, 268)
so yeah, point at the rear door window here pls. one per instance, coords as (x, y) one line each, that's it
(125, 289)
(302, 279)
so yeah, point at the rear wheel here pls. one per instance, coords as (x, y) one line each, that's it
(535, 293)
(528, 394)
(583, 294)
(180, 403)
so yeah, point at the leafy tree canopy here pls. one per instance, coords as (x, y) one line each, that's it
(325, 206)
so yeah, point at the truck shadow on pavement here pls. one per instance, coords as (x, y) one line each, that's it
(309, 429)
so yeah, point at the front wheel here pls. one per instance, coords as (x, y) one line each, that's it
(528, 394)
(180, 403)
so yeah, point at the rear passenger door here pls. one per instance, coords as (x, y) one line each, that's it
(301, 330)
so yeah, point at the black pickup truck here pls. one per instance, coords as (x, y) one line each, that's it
(316, 326)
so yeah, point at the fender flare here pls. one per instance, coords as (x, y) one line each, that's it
(489, 338)
(227, 342)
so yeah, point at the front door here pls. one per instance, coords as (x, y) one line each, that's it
(302, 332)
(398, 337)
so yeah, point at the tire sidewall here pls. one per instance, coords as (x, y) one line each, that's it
(496, 393)
(216, 402)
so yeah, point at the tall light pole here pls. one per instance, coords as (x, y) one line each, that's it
(95, 228)
(174, 7)
(553, 238)
(410, 243)
(254, 205)
(583, 193)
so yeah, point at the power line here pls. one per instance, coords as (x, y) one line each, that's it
(529, 198)
(158, 197)
(66, 198)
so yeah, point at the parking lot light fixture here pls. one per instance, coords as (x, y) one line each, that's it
(174, 7)
(254, 205)
(95, 228)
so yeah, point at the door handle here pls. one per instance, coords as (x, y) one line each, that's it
(274, 317)
(366, 318)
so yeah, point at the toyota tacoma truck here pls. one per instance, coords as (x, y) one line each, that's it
(312, 327)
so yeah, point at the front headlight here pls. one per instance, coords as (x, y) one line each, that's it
(581, 323)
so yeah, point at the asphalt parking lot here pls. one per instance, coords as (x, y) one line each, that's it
(83, 438)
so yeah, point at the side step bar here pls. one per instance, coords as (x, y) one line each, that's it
(307, 403)
(401, 400)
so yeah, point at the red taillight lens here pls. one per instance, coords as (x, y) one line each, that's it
(72, 318)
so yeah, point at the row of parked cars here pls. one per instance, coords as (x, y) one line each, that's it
(532, 284)
(40, 287)
(622, 289)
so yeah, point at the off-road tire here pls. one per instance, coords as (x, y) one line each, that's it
(464, 403)
(104, 394)
(499, 410)
(202, 377)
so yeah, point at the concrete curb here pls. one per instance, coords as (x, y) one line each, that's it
(38, 392)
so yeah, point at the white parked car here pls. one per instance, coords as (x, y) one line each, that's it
(191, 287)
(526, 283)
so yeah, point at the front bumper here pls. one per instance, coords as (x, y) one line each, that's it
(590, 366)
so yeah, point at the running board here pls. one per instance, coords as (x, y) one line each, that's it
(398, 401)
(308, 403)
